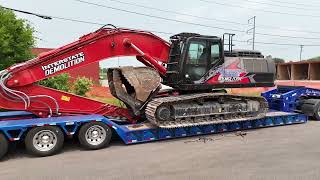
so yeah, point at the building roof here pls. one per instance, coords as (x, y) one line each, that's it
(37, 51)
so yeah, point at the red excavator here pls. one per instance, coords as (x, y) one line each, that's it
(195, 66)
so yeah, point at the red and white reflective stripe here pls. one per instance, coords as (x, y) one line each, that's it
(52, 124)
(134, 140)
(14, 139)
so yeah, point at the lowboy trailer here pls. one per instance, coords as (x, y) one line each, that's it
(45, 136)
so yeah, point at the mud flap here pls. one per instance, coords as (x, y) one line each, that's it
(134, 86)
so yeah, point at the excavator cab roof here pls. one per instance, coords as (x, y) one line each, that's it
(185, 35)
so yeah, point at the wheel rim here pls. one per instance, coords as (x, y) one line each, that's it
(45, 140)
(95, 135)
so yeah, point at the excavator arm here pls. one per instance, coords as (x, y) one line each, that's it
(18, 84)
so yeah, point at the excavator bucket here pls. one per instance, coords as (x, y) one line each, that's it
(134, 86)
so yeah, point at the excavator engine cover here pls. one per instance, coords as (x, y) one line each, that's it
(134, 86)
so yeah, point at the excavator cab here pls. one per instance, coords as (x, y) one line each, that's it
(191, 58)
(200, 63)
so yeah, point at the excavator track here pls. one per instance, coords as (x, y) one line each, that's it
(204, 109)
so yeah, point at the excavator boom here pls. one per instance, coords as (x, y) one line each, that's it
(18, 84)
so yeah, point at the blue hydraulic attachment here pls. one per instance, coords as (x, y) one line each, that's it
(287, 98)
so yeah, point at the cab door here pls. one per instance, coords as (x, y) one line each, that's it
(216, 54)
(202, 54)
(196, 59)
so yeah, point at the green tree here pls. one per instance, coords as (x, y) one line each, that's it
(16, 39)
(278, 60)
(82, 85)
(104, 70)
(315, 59)
(60, 82)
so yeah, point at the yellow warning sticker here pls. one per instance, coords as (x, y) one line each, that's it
(65, 98)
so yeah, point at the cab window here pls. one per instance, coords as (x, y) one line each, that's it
(197, 60)
(215, 54)
(196, 53)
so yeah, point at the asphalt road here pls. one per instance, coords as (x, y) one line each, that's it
(288, 152)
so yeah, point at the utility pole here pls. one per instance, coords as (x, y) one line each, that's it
(253, 29)
(301, 48)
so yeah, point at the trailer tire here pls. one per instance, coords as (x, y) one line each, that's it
(4, 145)
(44, 141)
(94, 135)
(317, 110)
(311, 107)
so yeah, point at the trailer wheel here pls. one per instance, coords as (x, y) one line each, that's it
(317, 110)
(4, 144)
(94, 135)
(44, 141)
(311, 107)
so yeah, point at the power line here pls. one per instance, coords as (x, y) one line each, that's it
(278, 5)
(71, 20)
(206, 18)
(233, 22)
(158, 17)
(190, 23)
(101, 24)
(286, 29)
(260, 10)
(279, 44)
(178, 13)
(171, 33)
(285, 36)
(286, 2)
(154, 31)
(215, 27)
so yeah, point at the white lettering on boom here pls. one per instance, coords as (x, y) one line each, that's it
(63, 64)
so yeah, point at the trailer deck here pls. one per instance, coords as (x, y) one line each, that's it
(14, 130)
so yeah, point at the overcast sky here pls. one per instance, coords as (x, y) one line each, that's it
(55, 33)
